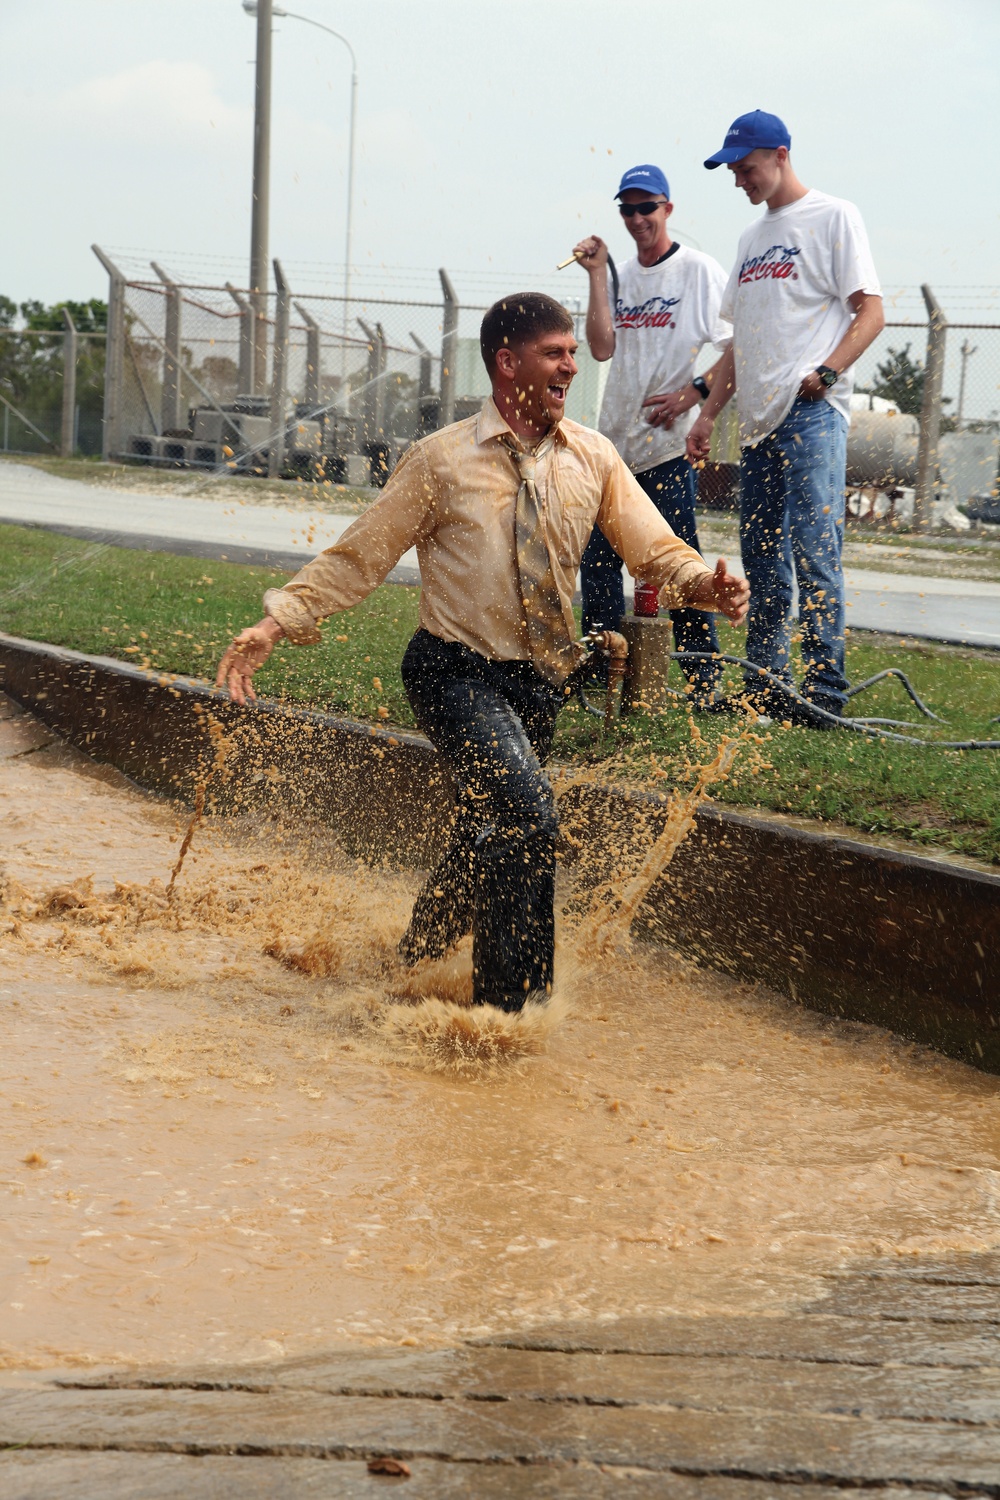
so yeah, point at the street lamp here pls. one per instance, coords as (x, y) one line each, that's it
(251, 7)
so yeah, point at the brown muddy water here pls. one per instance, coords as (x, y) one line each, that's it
(225, 1135)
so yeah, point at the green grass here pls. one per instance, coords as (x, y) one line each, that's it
(178, 614)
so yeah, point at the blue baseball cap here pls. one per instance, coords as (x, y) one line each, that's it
(748, 133)
(645, 179)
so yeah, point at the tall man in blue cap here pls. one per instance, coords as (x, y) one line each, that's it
(805, 302)
(666, 307)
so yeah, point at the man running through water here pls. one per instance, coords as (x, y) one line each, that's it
(499, 508)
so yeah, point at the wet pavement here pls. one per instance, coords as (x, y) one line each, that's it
(886, 1383)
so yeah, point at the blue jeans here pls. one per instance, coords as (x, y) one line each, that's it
(792, 511)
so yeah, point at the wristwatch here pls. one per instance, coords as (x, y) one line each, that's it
(701, 386)
(827, 376)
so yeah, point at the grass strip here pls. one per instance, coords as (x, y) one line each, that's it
(178, 614)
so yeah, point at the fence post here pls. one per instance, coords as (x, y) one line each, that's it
(279, 376)
(930, 412)
(67, 433)
(114, 360)
(424, 387)
(449, 350)
(311, 393)
(373, 408)
(245, 376)
(170, 399)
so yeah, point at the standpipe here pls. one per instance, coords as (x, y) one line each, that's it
(616, 648)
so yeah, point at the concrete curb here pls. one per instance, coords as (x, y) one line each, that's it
(854, 929)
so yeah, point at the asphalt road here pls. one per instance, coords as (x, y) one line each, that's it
(241, 530)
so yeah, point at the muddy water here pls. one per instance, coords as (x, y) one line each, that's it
(219, 1139)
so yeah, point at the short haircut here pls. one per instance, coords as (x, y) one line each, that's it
(516, 320)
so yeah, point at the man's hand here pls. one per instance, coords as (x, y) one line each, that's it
(724, 593)
(592, 253)
(811, 388)
(699, 439)
(247, 655)
(666, 408)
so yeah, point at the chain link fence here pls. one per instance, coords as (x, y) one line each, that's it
(924, 445)
(51, 391)
(206, 374)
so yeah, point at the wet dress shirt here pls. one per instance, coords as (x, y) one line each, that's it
(453, 497)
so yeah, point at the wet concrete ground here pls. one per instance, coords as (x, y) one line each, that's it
(888, 1384)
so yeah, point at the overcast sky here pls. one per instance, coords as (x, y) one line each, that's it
(491, 135)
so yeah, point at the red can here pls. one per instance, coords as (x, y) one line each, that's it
(647, 600)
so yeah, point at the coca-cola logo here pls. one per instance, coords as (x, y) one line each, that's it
(775, 264)
(658, 312)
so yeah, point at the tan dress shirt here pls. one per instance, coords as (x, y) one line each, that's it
(453, 497)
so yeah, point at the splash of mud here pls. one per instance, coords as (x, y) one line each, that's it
(607, 921)
(221, 747)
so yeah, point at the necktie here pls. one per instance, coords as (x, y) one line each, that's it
(553, 649)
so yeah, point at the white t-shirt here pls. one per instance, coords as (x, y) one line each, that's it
(787, 299)
(663, 316)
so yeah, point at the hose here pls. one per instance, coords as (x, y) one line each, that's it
(860, 726)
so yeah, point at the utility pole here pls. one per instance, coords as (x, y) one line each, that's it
(967, 351)
(261, 195)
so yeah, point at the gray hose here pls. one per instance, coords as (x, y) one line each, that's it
(820, 715)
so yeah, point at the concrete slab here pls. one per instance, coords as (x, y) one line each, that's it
(818, 1338)
(167, 1476)
(705, 1382)
(783, 1447)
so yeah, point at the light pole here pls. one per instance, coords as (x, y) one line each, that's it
(255, 8)
(260, 206)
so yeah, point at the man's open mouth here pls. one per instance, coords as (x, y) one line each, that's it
(558, 392)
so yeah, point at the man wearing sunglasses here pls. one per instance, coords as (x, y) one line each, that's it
(805, 302)
(665, 309)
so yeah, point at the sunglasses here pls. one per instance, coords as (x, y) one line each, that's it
(628, 209)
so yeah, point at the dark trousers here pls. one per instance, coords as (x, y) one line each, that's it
(671, 487)
(492, 723)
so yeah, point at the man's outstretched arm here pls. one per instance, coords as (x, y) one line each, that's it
(245, 656)
(653, 552)
(341, 576)
(722, 592)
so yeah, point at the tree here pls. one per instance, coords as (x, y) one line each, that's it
(89, 317)
(31, 369)
(900, 378)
